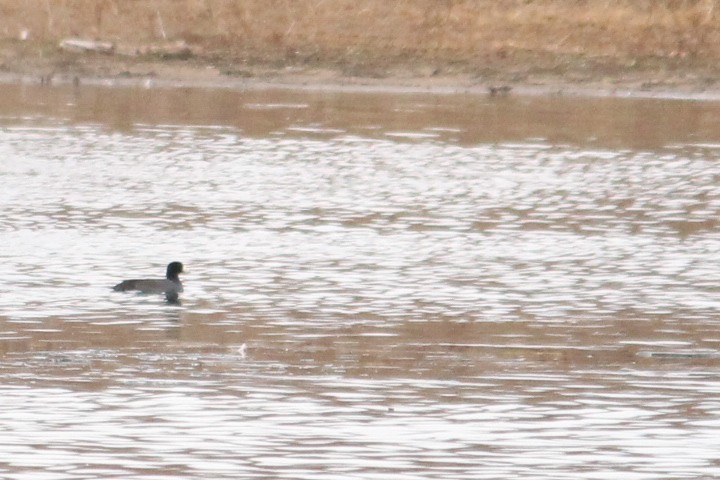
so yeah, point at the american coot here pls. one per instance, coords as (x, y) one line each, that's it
(170, 285)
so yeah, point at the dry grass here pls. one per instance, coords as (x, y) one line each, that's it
(468, 33)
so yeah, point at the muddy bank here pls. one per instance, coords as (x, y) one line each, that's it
(542, 46)
(91, 69)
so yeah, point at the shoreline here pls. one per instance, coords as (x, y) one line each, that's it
(161, 74)
(26, 64)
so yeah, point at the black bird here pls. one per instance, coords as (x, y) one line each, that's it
(170, 285)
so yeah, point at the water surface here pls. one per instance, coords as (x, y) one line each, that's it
(408, 286)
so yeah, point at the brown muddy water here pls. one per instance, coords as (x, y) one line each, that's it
(379, 286)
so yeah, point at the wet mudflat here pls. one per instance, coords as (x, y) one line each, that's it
(405, 286)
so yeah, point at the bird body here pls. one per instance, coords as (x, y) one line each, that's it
(170, 285)
(149, 286)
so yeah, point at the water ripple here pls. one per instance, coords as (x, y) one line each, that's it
(374, 291)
